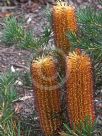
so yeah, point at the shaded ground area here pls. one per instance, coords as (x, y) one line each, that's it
(20, 60)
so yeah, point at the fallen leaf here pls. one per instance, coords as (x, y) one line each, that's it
(5, 14)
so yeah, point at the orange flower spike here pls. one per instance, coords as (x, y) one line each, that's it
(79, 88)
(64, 20)
(47, 92)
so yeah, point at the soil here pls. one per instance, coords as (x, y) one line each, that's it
(20, 60)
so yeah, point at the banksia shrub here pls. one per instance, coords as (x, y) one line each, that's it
(64, 20)
(79, 84)
(47, 92)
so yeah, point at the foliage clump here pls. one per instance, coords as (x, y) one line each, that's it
(13, 31)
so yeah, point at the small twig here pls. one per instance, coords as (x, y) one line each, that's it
(3, 50)
(2, 24)
(4, 8)
(19, 66)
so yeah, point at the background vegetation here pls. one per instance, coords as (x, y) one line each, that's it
(14, 34)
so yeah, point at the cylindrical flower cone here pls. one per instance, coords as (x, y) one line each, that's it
(47, 92)
(80, 86)
(63, 20)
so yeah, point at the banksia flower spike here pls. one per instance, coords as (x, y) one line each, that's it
(63, 20)
(47, 92)
(79, 84)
